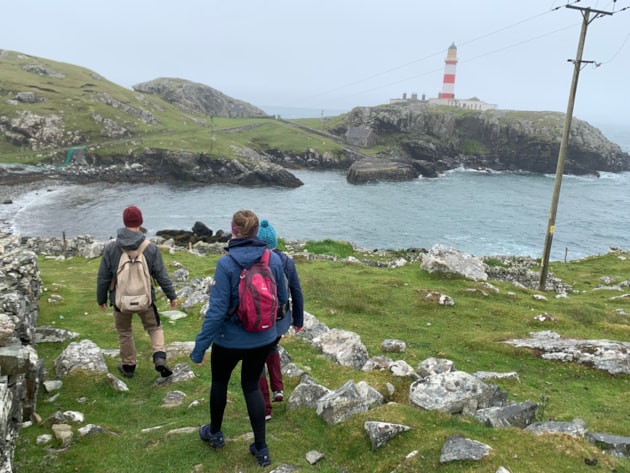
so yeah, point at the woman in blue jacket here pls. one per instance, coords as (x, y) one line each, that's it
(230, 342)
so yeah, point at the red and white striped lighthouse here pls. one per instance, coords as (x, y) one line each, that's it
(448, 84)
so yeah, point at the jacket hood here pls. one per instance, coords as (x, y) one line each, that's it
(128, 239)
(246, 251)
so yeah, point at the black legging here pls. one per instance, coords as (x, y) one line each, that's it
(222, 362)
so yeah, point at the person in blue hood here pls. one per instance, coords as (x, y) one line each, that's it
(291, 314)
(230, 342)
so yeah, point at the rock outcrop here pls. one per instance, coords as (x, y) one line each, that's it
(376, 169)
(191, 97)
(436, 139)
(157, 165)
(20, 367)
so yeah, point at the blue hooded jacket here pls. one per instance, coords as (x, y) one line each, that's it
(295, 310)
(217, 327)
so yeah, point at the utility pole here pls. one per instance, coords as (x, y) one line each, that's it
(577, 66)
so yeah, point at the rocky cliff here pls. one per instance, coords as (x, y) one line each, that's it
(157, 165)
(435, 139)
(191, 97)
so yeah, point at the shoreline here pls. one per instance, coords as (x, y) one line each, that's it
(15, 193)
(12, 192)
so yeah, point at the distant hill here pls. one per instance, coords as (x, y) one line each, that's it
(165, 129)
(191, 97)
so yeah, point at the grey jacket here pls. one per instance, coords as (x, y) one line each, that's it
(130, 240)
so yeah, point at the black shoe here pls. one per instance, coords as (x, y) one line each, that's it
(126, 370)
(162, 368)
(261, 455)
(215, 440)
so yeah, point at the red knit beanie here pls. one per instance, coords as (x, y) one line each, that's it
(132, 217)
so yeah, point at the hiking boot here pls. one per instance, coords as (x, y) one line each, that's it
(215, 440)
(161, 366)
(278, 396)
(267, 417)
(261, 455)
(126, 370)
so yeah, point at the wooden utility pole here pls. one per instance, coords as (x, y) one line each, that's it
(577, 66)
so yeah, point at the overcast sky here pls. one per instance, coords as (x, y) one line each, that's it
(333, 55)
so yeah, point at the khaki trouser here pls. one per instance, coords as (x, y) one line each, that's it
(151, 324)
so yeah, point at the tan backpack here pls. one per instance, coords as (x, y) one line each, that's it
(133, 281)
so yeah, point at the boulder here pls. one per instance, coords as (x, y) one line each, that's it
(376, 169)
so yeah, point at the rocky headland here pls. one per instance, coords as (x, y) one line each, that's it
(425, 140)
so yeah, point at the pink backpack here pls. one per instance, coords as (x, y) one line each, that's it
(258, 297)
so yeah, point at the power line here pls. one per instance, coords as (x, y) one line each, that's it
(429, 56)
(440, 69)
(618, 50)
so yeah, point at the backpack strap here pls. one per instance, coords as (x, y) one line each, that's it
(266, 256)
(138, 251)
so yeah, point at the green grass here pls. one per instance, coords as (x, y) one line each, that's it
(75, 98)
(474, 147)
(340, 249)
(376, 303)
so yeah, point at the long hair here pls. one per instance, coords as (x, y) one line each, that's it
(245, 223)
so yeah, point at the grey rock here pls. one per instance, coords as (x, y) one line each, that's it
(490, 375)
(458, 448)
(84, 355)
(313, 456)
(382, 432)
(433, 365)
(341, 404)
(343, 347)
(91, 429)
(116, 383)
(577, 428)
(607, 355)
(441, 259)
(371, 395)
(516, 415)
(454, 392)
(393, 346)
(378, 363)
(53, 335)
(376, 169)
(306, 395)
(174, 399)
(616, 445)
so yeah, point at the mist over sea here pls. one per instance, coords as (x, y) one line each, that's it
(477, 212)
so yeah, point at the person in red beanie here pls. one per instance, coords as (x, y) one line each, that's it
(130, 238)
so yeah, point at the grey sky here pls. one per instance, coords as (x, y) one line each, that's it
(336, 54)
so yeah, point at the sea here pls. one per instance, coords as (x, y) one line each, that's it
(480, 213)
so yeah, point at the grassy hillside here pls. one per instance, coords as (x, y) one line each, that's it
(84, 101)
(377, 304)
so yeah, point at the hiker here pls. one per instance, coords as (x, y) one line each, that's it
(230, 341)
(130, 238)
(291, 314)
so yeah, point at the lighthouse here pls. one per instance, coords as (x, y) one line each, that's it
(448, 84)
